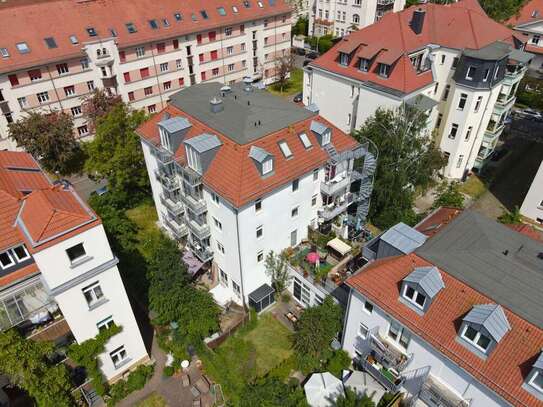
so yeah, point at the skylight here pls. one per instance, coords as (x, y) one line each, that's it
(246, 4)
(153, 24)
(178, 16)
(221, 11)
(165, 22)
(22, 47)
(193, 16)
(204, 14)
(4, 52)
(260, 4)
(113, 32)
(131, 28)
(51, 43)
(73, 39)
(235, 9)
(305, 140)
(92, 32)
(285, 149)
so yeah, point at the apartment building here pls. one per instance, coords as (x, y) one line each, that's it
(450, 61)
(237, 172)
(528, 23)
(532, 206)
(134, 49)
(454, 320)
(58, 276)
(341, 17)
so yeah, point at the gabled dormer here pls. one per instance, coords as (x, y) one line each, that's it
(483, 328)
(201, 150)
(346, 50)
(534, 379)
(421, 287)
(172, 131)
(264, 161)
(322, 132)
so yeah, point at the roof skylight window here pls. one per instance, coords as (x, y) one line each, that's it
(246, 4)
(92, 32)
(178, 16)
(113, 32)
(153, 24)
(260, 4)
(131, 28)
(4, 52)
(22, 47)
(74, 40)
(305, 140)
(165, 22)
(204, 14)
(51, 43)
(285, 149)
(235, 9)
(221, 11)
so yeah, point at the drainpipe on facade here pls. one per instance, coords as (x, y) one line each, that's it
(54, 87)
(240, 264)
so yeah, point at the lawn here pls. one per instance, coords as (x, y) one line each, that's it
(474, 187)
(293, 86)
(145, 217)
(154, 400)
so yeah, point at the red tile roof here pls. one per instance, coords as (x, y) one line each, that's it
(526, 13)
(459, 25)
(32, 21)
(528, 230)
(434, 222)
(507, 366)
(233, 174)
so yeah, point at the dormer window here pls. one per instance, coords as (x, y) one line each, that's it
(413, 296)
(193, 159)
(4, 52)
(474, 336)
(326, 137)
(164, 139)
(92, 32)
(131, 28)
(534, 380)
(420, 287)
(537, 381)
(343, 58)
(470, 74)
(364, 65)
(153, 24)
(6, 260)
(267, 166)
(384, 70)
(262, 159)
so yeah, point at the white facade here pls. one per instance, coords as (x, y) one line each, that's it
(532, 206)
(68, 282)
(425, 361)
(532, 33)
(340, 17)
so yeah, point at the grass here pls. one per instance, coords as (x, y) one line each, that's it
(293, 86)
(145, 217)
(154, 400)
(474, 187)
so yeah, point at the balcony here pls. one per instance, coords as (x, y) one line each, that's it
(489, 140)
(104, 59)
(514, 72)
(504, 102)
(191, 177)
(336, 208)
(203, 253)
(200, 231)
(196, 205)
(162, 155)
(179, 230)
(168, 181)
(335, 185)
(385, 2)
(435, 393)
(385, 377)
(494, 127)
(175, 208)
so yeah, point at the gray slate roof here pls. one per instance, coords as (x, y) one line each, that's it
(175, 124)
(204, 142)
(491, 317)
(404, 238)
(494, 260)
(241, 110)
(492, 52)
(428, 278)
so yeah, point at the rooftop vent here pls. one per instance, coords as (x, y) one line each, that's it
(216, 105)
(225, 90)
(417, 22)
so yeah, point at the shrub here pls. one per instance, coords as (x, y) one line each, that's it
(285, 297)
(168, 371)
(136, 381)
(282, 371)
(339, 361)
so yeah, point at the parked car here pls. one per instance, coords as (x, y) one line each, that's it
(298, 98)
(100, 191)
(299, 51)
(532, 114)
(312, 55)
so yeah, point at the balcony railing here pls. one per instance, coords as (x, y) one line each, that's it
(494, 127)
(176, 208)
(168, 181)
(179, 230)
(389, 380)
(162, 155)
(191, 177)
(203, 253)
(330, 211)
(335, 185)
(385, 2)
(196, 205)
(435, 393)
(198, 230)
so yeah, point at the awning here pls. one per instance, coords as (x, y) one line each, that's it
(339, 246)
(261, 292)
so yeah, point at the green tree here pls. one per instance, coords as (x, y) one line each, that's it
(353, 399)
(49, 137)
(314, 332)
(115, 154)
(408, 159)
(499, 10)
(339, 361)
(511, 218)
(277, 271)
(448, 194)
(26, 364)
(301, 27)
(324, 43)
(272, 392)
(98, 105)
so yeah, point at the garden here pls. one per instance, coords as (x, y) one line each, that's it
(293, 86)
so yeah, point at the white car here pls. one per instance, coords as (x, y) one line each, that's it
(531, 114)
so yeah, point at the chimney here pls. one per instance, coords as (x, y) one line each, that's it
(417, 22)
(216, 105)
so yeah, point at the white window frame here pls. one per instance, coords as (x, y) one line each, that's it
(259, 231)
(92, 290)
(105, 323)
(179, 63)
(326, 137)
(454, 126)
(75, 260)
(314, 200)
(23, 102)
(363, 330)
(478, 104)
(463, 97)
(401, 330)
(267, 166)
(118, 353)
(476, 339)
(230, 50)
(468, 77)
(364, 65)
(459, 162)
(468, 133)
(20, 259)
(532, 383)
(224, 276)
(305, 140)
(164, 67)
(43, 97)
(193, 159)
(2, 266)
(236, 287)
(258, 206)
(295, 186)
(140, 52)
(285, 149)
(415, 296)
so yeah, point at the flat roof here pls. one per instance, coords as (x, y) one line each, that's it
(246, 116)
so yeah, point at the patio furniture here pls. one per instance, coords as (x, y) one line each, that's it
(202, 385)
(185, 380)
(196, 403)
(195, 392)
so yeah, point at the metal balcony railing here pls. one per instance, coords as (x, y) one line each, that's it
(162, 155)
(334, 186)
(204, 254)
(329, 212)
(179, 230)
(196, 205)
(168, 181)
(389, 381)
(198, 230)
(435, 393)
(175, 207)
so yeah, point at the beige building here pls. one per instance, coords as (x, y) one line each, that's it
(53, 54)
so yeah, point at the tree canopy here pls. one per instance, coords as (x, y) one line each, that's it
(277, 271)
(499, 10)
(49, 137)
(272, 392)
(408, 159)
(353, 399)
(115, 153)
(26, 364)
(98, 105)
(301, 27)
(448, 194)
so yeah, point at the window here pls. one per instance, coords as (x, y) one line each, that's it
(90, 85)
(260, 4)
(343, 58)
(439, 119)
(92, 32)
(384, 70)
(214, 55)
(221, 11)
(246, 4)
(6, 260)
(478, 104)
(229, 50)
(460, 159)
(215, 198)
(471, 73)
(486, 75)
(356, 19)
(131, 28)
(50, 42)
(212, 36)
(151, 108)
(267, 166)
(535, 39)
(204, 15)
(93, 293)
(363, 331)
(22, 47)
(314, 200)
(364, 65)
(399, 334)
(368, 307)
(164, 67)
(462, 101)
(231, 67)
(34, 75)
(181, 81)
(294, 212)
(175, 44)
(113, 32)
(140, 51)
(144, 73)
(178, 16)
(76, 252)
(13, 80)
(105, 324)
(4, 52)
(295, 184)
(43, 97)
(258, 205)
(446, 93)
(160, 47)
(69, 90)
(228, 31)
(83, 130)
(242, 29)
(153, 24)
(414, 297)
(215, 72)
(203, 76)
(236, 288)
(76, 111)
(201, 57)
(259, 232)
(178, 64)
(218, 224)
(84, 63)
(126, 77)
(285, 149)
(220, 247)
(442, 59)
(119, 356)
(454, 130)
(468, 133)
(455, 63)
(167, 85)
(22, 102)
(148, 90)
(260, 256)
(349, 117)
(537, 381)
(131, 96)
(476, 338)
(496, 72)
(326, 138)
